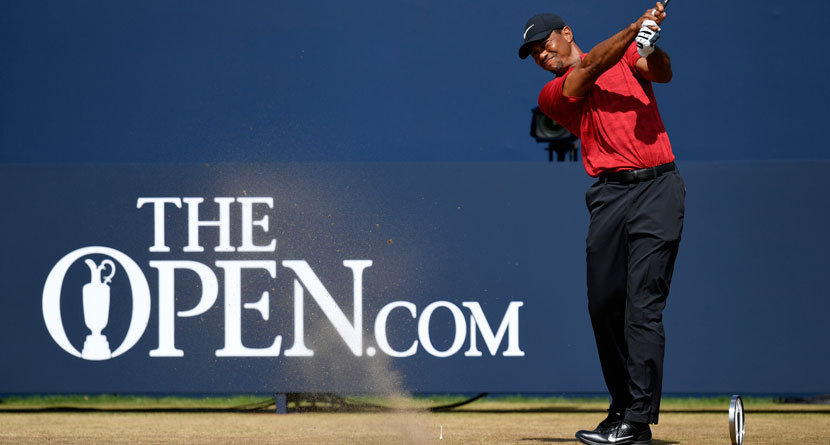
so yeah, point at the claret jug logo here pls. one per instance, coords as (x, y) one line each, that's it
(97, 310)
(96, 298)
(111, 274)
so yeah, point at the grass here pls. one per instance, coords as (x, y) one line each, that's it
(673, 401)
(116, 402)
(490, 403)
(496, 419)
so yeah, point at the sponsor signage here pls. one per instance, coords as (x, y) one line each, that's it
(96, 297)
(223, 282)
(288, 278)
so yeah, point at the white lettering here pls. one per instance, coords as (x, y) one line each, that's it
(299, 348)
(510, 320)
(352, 334)
(380, 329)
(193, 224)
(158, 220)
(460, 329)
(167, 301)
(248, 224)
(233, 310)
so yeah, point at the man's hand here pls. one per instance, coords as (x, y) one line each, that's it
(647, 38)
(649, 29)
(610, 51)
(657, 15)
(656, 68)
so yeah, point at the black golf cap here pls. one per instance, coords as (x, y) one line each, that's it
(538, 28)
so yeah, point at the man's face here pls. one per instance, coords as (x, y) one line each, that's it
(551, 53)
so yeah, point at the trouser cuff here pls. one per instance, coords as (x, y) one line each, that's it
(641, 418)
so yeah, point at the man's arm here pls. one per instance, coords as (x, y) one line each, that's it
(656, 67)
(606, 54)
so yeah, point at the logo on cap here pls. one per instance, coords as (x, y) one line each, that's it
(528, 29)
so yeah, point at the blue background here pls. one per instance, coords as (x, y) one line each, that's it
(419, 84)
(426, 80)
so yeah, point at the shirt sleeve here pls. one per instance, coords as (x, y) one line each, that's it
(565, 110)
(631, 57)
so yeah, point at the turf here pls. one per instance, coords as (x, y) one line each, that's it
(121, 402)
(490, 420)
(377, 428)
(489, 403)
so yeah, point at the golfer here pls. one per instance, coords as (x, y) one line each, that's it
(605, 98)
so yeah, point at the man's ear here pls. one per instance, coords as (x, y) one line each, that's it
(568, 34)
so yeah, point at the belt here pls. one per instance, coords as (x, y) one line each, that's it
(634, 176)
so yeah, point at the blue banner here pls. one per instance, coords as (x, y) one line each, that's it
(377, 277)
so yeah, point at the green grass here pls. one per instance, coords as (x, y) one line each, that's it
(110, 401)
(492, 402)
(568, 400)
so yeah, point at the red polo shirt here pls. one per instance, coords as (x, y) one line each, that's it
(617, 121)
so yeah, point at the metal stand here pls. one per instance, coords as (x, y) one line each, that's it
(281, 400)
(563, 148)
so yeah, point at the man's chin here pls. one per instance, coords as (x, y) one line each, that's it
(556, 68)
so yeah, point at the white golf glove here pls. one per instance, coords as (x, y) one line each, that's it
(647, 38)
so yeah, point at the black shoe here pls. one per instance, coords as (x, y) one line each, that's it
(625, 433)
(605, 427)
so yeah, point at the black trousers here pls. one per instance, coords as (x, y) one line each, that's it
(631, 247)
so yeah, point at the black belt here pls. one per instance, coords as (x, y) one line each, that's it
(634, 176)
